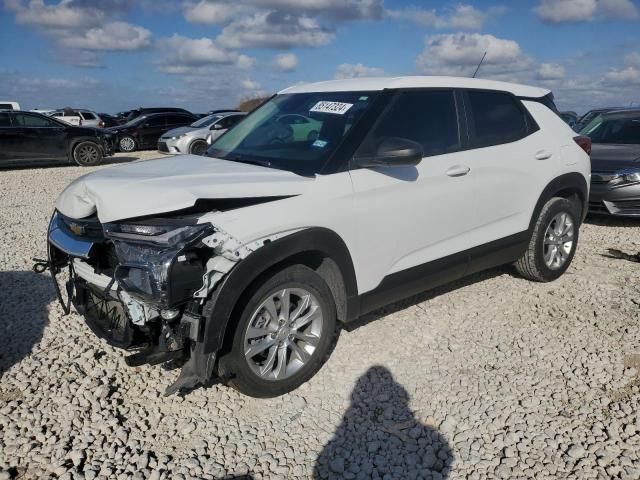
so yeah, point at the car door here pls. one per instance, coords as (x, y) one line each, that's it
(410, 216)
(9, 136)
(507, 158)
(149, 132)
(41, 138)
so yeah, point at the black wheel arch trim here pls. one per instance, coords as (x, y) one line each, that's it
(225, 297)
(572, 181)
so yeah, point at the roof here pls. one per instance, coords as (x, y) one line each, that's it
(381, 83)
(622, 113)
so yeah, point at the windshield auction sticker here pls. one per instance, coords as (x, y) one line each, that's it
(337, 108)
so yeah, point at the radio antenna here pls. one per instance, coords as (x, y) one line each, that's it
(478, 68)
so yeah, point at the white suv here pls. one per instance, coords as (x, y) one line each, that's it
(243, 264)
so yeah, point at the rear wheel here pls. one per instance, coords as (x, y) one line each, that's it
(127, 144)
(87, 154)
(553, 243)
(286, 331)
(198, 147)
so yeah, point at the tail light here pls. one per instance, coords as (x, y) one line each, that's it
(584, 142)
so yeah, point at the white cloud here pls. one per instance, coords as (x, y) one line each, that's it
(563, 11)
(335, 9)
(210, 12)
(79, 27)
(463, 17)
(459, 54)
(632, 59)
(347, 70)
(111, 36)
(276, 30)
(184, 54)
(623, 77)
(250, 85)
(286, 62)
(550, 71)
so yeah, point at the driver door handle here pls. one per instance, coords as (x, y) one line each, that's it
(458, 171)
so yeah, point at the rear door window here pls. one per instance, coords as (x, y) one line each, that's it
(5, 120)
(27, 120)
(88, 115)
(157, 122)
(178, 120)
(495, 118)
(428, 117)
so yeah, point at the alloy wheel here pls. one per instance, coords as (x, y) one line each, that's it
(88, 154)
(283, 333)
(127, 144)
(558, 240)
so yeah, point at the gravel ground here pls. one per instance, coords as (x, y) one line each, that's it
(494, 377)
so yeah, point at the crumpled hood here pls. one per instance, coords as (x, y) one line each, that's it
(605, 158)
(162, 185)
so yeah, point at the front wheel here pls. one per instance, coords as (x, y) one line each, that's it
(285, 333)
(198, 147)
(553, 243)
(127, 144)
(87, 154)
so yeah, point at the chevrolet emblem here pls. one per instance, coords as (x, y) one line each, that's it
(77, 229)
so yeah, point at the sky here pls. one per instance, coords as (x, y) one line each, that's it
(111, 55)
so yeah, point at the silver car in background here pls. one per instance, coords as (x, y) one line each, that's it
(193, 139)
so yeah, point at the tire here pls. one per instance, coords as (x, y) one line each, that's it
(242, 372)
(534, 264)
(198, 147)
(127, 144)
(87, 154)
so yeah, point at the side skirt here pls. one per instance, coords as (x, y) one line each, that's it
(421, 278)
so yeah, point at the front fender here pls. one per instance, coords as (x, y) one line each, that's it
(221, 307)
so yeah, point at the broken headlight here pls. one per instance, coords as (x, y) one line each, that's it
(155, 262)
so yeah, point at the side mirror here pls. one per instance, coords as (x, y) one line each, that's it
(393, 152)
(216, 126)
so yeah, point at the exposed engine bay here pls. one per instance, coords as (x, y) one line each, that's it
(143, 285)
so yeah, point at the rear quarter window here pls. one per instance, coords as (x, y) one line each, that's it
(495, 118)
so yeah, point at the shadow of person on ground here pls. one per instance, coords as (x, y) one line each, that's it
(24, 297)
(379, 437)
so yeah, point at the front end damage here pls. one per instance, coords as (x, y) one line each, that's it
(142, 286)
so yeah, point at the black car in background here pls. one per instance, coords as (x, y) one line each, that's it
(144, 131)
(28, 137)
(615, 163)
(137, 112)
(109, 120)
(585, 119)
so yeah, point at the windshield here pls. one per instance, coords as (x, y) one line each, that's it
(135, 121)
(615, 130)
(296, 132)
(205, 121)
(591, 126)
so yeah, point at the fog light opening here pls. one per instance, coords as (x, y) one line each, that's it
(169, 314)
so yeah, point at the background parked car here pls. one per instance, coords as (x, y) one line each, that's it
(590, 115)
(5, 105)
(193, 139)
(78, 117)
(303, 128)
(137, 112)
(570, 118)
(30, 137)
(143, 132)
(615, 163)
(108, 120)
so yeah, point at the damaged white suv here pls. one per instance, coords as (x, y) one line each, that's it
(244, 264)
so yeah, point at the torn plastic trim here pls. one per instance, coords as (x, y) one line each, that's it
(228, 252)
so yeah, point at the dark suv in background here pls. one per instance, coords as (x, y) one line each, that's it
(615, 163)
(28, 137)
(144, 131)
